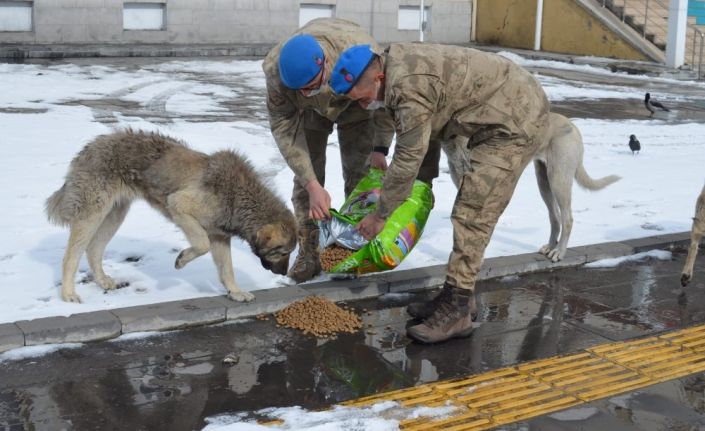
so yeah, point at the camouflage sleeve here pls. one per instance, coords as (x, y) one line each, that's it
(286, 123)
(416, 100)
(398, 181)
(384, 128)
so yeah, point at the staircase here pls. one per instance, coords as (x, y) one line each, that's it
(650, 19)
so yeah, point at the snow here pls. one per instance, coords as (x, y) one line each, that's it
(556, 90)
(656, 194)
(131, 336)
(383, 416)
(614, 262)
(35, 351)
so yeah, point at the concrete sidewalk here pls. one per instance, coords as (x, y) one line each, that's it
(106, 324)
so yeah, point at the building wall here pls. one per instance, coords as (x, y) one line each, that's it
(509, 23)
(231, 21)
(581, 33)
(567, 28)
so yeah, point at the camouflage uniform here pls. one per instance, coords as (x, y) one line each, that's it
(301, 125)
(439, 93)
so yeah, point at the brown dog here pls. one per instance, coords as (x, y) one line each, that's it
(695, 235)
(210, 197)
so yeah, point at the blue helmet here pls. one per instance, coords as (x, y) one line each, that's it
(300, 60)
(350, 66)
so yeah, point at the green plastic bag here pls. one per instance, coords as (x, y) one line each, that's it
(400, 234)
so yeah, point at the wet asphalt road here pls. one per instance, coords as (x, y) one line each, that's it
(175, 380)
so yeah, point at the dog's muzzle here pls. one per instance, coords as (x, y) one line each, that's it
(279, 267)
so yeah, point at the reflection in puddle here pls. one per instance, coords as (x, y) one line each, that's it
(176, 380)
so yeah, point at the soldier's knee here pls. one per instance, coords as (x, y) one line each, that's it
(478, 187)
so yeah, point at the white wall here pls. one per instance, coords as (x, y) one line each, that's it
(224, 21)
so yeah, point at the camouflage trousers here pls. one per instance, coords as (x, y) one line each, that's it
(483, 194)
(355, 138)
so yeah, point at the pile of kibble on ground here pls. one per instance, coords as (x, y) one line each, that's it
(319, 317)
(333, 255)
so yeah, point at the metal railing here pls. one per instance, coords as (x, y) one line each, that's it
(650, 18)
(642, 16)
(698, 39)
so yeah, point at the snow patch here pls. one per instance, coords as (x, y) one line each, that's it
(35, 351)
(384, 416)
(611, 263)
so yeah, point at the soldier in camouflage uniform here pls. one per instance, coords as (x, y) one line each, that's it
(438, 93)
(302, 111)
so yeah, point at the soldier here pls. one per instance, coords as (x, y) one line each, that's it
(302, 110)
(438, 93)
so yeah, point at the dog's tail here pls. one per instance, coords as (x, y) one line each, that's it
(586, 182)
(55, 208)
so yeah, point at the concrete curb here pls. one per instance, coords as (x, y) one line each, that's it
(104, 324)
(19, 52)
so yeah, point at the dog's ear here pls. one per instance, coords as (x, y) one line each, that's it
(265, 234)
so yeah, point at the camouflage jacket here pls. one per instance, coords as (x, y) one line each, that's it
(286, 106)
(438, 92)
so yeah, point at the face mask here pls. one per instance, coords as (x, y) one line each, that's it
(312, 93)
(317, 91)
(375, 105)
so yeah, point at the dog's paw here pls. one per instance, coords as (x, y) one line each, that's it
(71, 297)
(555, 255)
(544, 250)
(106, 283)
(241, 296)
(685, 279)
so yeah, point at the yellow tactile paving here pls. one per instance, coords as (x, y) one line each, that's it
(536, 388)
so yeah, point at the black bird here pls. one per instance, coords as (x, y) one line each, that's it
(634, 144)
(651, 104)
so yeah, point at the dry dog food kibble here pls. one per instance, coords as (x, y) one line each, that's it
(333, 255)
(319, 317)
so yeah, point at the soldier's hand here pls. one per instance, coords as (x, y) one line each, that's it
(378, 160)
(318, 201)
(370, 226)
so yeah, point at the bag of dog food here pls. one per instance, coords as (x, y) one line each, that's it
(344, 250)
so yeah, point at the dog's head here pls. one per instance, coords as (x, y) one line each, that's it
(274, 244)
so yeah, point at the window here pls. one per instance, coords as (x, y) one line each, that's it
(307, 12)
(16, 16)
(409, 17)
(143, 16)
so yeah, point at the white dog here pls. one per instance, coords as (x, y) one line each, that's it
(558, 161)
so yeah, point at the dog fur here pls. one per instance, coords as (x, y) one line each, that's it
(210, 197)
(557, 163)
(695, 235)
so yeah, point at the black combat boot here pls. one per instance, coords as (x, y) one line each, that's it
(452, 318)
(422, 310)
(308, 261)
